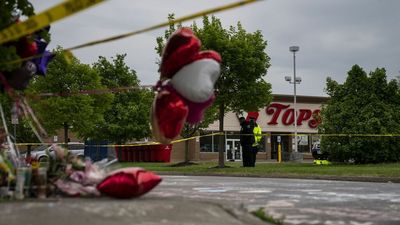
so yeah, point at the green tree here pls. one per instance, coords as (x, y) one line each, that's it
(80, 112)
(8, 11)
(362, 105)
(128, 117)
(244, 65)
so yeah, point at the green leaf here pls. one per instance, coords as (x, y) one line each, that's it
(363, 104)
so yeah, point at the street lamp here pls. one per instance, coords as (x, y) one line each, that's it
(296, 80)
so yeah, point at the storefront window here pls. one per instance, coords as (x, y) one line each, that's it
(206, 144)
(205, 148)
(215, 149)
(315, 138)
(303, 144)
(209, 143)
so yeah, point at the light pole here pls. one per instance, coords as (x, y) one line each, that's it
(296, 80)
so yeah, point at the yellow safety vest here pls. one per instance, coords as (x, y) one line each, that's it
(257, 135)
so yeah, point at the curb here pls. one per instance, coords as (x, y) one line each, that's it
(286, 176)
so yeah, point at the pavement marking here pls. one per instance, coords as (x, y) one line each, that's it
(256, 191)
(210, 190)
(302, 221)
(281, 203)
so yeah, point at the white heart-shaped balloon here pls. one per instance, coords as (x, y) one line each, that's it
(196, 80)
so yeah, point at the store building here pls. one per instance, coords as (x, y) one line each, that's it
(276, 121)
(277, 124)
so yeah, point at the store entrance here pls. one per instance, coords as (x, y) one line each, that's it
(233, 150)
(284, 140)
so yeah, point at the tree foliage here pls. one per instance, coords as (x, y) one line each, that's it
(128, 117)
(363, 104)
(9, 10)
(244, 64)
(78, 111)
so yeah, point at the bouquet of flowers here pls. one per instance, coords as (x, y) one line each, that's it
(70, 175)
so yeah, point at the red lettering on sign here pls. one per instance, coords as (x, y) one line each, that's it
(286, 120)
(304, 115)
(275, 109)
(316, 119)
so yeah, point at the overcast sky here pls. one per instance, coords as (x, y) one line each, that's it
(332, 35)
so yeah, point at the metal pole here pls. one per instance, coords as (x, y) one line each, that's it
(295, 111)
(279, 152)
(294, 49)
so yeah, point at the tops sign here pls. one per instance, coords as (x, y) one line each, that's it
(303, 115)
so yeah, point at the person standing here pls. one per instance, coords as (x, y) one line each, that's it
(257, 139)
(246, 141)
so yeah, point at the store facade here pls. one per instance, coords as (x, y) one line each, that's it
(277, 123)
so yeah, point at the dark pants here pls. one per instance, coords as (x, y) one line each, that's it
(248, 156)
(254, 151)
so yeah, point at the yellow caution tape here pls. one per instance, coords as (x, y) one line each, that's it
(45, 18)
(358, 135)
(117, 37)
(125, 145)
(190, 138)
(178, 20)
(158, 143)
(330, 135)
(214, 134)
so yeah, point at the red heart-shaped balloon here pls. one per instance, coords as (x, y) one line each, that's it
(128, 183)
(169, 114)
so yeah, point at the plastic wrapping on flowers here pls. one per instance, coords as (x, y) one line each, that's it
(66, 174)
(62, 174)
(73, 176)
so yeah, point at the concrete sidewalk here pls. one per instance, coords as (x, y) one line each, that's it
(106, 211)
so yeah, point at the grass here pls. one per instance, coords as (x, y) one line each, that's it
(369, 172)
(260, 213)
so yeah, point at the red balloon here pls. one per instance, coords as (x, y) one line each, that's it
(128, 183)
(169, 114)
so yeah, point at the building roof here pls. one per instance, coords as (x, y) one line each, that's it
(300, 98)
